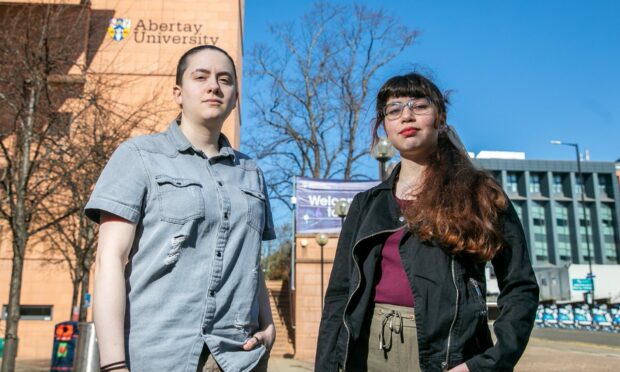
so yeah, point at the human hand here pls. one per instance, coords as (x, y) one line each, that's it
(460, 368)
(265, 337)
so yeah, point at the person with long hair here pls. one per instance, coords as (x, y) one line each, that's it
(407, 290)
(178, 285)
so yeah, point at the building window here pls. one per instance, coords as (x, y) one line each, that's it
(535, 180)
(578, 186)
(558, 185)
(539, 228)
(604, 186)
(609, 235)
(563, 231)
(31, 312)
(519, 210)
(60, 123)
(512, 183)
(584, 225)
(497, 176)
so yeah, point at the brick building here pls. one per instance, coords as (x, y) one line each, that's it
(136, 43)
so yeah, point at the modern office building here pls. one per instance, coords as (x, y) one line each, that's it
(547, 197)
(570, 235)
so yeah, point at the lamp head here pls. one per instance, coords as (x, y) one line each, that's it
(342, 208)
(383, 150)
(321, 239)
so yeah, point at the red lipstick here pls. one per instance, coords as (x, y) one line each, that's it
(408, 132)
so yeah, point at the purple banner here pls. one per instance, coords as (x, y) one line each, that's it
(316, 203)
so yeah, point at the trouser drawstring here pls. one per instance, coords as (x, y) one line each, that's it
(395, 327)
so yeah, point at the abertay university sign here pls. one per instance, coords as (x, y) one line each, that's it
(151, 32)
(316, 203)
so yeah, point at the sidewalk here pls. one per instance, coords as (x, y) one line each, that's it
(549, 350)
(275, 365)
(289, 365)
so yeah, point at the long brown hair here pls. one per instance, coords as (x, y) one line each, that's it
(457, 204)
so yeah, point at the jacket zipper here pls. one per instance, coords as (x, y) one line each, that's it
(473, 281)
(445, 364)
(359, 272)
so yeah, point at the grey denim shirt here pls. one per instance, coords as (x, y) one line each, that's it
(193, 270)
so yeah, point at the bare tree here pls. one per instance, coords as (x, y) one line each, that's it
(94, 134)
(35, 79)
(312, 91)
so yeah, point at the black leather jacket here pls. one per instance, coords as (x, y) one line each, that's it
(449, 291)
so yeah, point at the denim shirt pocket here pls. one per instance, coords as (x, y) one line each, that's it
(180, 199)
(256, 208)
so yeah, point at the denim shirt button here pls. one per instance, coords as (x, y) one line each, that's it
(211, 293)
(220, 183)
(225, 215)
(218, 254)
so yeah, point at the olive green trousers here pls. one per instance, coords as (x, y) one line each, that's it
(387, 342)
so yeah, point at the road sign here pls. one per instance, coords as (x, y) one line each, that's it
(582, 284)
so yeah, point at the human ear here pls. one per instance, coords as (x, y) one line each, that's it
(440, 123)
(236, 97)
(176, 93)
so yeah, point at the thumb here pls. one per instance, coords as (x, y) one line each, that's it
(252, 342)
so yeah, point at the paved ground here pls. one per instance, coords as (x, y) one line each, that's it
(549, 350)
(571, 350)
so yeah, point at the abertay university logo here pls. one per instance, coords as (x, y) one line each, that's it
(119, 28)
(148, 31)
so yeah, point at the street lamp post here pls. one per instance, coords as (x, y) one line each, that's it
(321, 240)
(342, 208)
(583, 208)
(383, 151)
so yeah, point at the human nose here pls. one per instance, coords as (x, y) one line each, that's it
(407, 112)
(213, 85)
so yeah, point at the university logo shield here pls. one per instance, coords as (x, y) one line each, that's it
(119, 28)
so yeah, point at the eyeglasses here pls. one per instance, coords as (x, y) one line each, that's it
(419, 106)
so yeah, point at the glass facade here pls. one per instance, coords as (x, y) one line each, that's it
(563, 232)
(519, 209)
(557, 185)
(547, 198)
(535, 181)
(512, 183)
(539, 228)
(584, 225)
(604, 186)
(609, 235)
(579, 185)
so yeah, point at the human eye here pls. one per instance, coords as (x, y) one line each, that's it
(423, 106)
(225, 79)
(393, 109)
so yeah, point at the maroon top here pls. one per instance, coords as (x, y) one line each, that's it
(392, 285)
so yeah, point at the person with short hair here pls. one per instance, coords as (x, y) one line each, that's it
(178, 279)
(407, 290)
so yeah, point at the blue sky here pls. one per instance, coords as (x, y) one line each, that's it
(523, 72)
